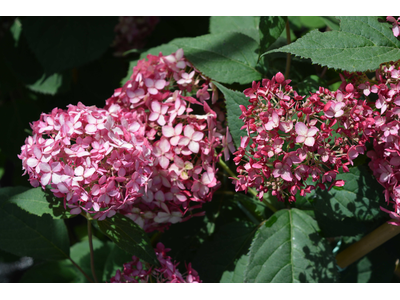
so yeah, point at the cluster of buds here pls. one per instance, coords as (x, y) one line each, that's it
(290, 139)
(138, 272)
(385, 156)
(147, 154)
(131, 33)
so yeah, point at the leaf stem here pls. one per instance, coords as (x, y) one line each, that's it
(79, 268)
(288, 55)
(368, 243)
(91, 249)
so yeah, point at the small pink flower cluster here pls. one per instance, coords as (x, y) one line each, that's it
(396, 25)
(148, 154)
(385, 156)
(138, 272)
(290, 139)
(131, 33)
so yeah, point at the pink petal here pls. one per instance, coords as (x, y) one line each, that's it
(309, 141)
(163, 161)
(194, 147)
(312, 131)
(301, 129)
(188, 131)
(197, 136)
(45, 179)
(155, 106)
(168, 131)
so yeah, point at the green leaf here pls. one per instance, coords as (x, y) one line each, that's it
(24, 234)
(312, 22)
(233, 99)
(129, 237)
(271, 29)
(80, 254)
(62, 271)
(331, 22)
(237, 275)
(38, 202)
(247, 25)
(288, 248)
(227, 57)
(114, 261)
(53, 84)
(359, 198)
(218, 255)
(252, 204)
(61, 43)
(361, 44)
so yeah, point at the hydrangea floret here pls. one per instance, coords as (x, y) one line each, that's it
(136, 271)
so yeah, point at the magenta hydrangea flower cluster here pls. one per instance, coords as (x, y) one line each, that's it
(149, 154)
(385, 156)
(138, 272)
(132, 32)
(291, 138)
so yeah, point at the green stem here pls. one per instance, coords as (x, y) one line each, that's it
(288, 56)
(91, 249)
(79, 268)
(251, 190)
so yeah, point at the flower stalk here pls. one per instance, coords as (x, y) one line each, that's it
(89, 226)
(368, 243)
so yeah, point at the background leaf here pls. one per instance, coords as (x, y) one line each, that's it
(247, 25)
(218, 255)
(127, 235)
(271, 29)
(61, 43)
(233, 99)
(288, 248)
(115, 259)
(38, 202)
(223, 56)
(361, 44)
(24, 234)
(237, 275)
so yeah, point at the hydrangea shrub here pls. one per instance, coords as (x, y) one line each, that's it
(252, 154)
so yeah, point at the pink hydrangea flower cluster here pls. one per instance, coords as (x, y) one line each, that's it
(131, 33)
(291, 138)
(149, 153)
(169, 95)
(385, 156)
(138, 272)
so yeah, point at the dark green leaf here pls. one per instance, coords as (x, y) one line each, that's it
(24, 234)
(52, 272)
(288, 248)
(361, 44)
(80, 254)
(359, 198)
(227, 57)
(237, 275)
(216, 256)
(271, 29)
(331, 22)
(129, 237)
(38, 202)
(233, 99)
(114, 261)
(247, 25)
(61, 43)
